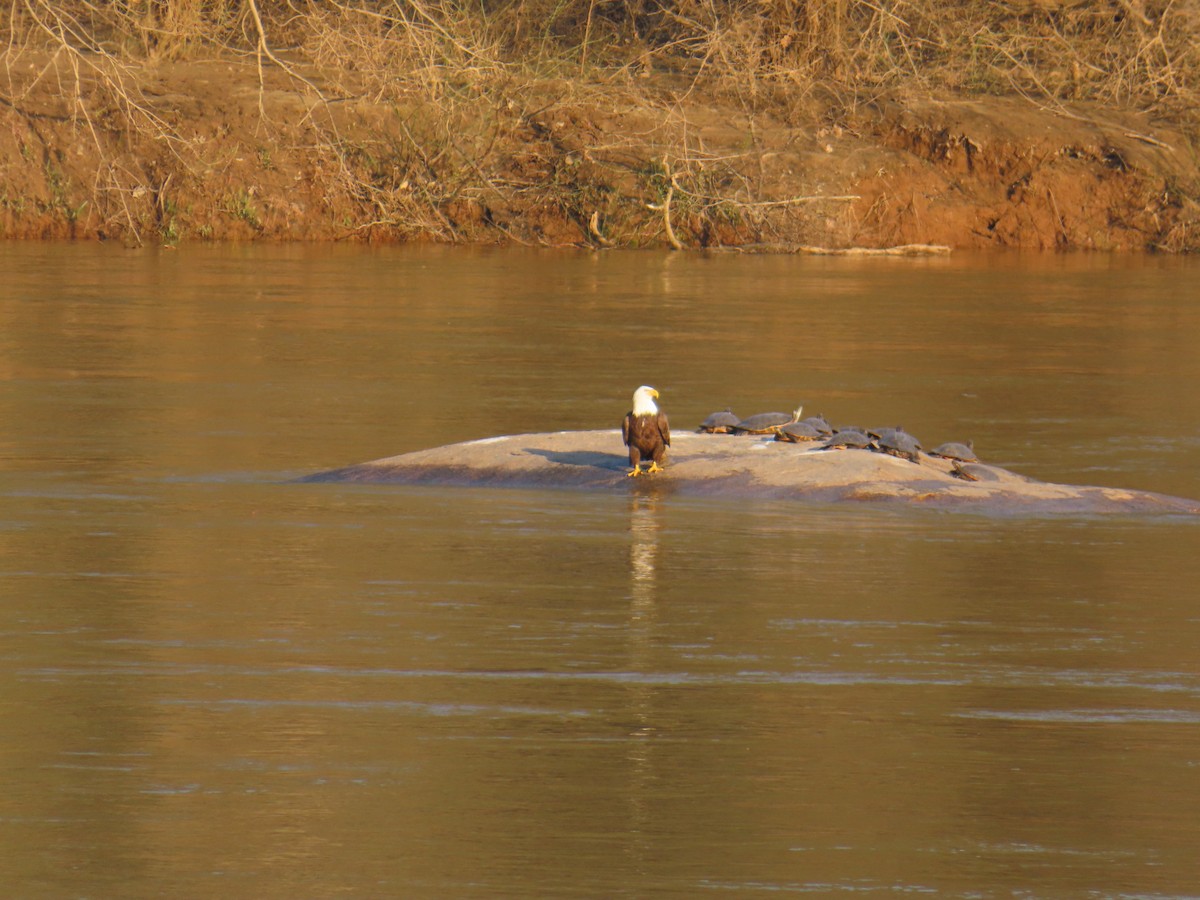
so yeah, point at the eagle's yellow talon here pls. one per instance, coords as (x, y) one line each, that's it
(635, 473)
(654, 467)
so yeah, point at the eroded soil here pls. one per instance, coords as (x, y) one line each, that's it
(205, 150)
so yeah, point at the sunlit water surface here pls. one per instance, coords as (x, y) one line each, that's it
(219, 682)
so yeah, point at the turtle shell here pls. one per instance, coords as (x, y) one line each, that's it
(819, 423)
(719, 423)
(796, 432)
(847, 438)
(898, 442)
(953, 450)
(762, 423)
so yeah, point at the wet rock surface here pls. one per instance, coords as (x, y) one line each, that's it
(747, 468)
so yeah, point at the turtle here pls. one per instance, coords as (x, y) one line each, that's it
(955, 451)
(897, 442)
(796, 432)
(766, 423)
(881, 433)
(719, 423)
(957, 471)
(848, 439)
(818, 422)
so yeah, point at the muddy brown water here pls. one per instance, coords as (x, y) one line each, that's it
(218, 682)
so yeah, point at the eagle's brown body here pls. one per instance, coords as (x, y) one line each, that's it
(646, 432)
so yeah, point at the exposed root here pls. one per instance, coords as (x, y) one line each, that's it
(665, 206)
(594, 230)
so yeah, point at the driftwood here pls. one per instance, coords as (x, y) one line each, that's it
(809, 250)
(902, 250)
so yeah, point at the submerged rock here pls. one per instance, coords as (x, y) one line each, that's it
(716, 466)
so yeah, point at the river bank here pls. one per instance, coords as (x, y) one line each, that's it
(226, 149)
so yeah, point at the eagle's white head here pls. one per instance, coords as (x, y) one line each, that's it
(643, 401)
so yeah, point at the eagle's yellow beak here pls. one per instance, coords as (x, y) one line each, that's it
(654, 392)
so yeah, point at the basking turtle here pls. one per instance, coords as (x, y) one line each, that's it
(818, 422)
(955, 451)
(796, 432)
(719, 423)
(880, 433)
(848, 439)
(851, 429)
(957, 470)
(766, 423)
(897, 442)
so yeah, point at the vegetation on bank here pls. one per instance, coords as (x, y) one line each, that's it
(1116, 52)
(479, 64)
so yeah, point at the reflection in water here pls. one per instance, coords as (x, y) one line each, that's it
(643, 553)
(415, 692)
(644, 528)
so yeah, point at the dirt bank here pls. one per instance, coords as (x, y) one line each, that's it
(205, 150)
(748, 468)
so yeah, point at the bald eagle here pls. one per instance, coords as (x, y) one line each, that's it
(646, 432)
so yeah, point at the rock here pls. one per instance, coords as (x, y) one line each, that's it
(741, 467)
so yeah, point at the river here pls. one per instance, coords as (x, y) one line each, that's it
(221, 682)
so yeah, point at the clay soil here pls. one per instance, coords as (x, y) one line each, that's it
(221, 149)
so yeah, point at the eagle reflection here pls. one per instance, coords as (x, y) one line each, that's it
(642, 695)
(643, 555)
